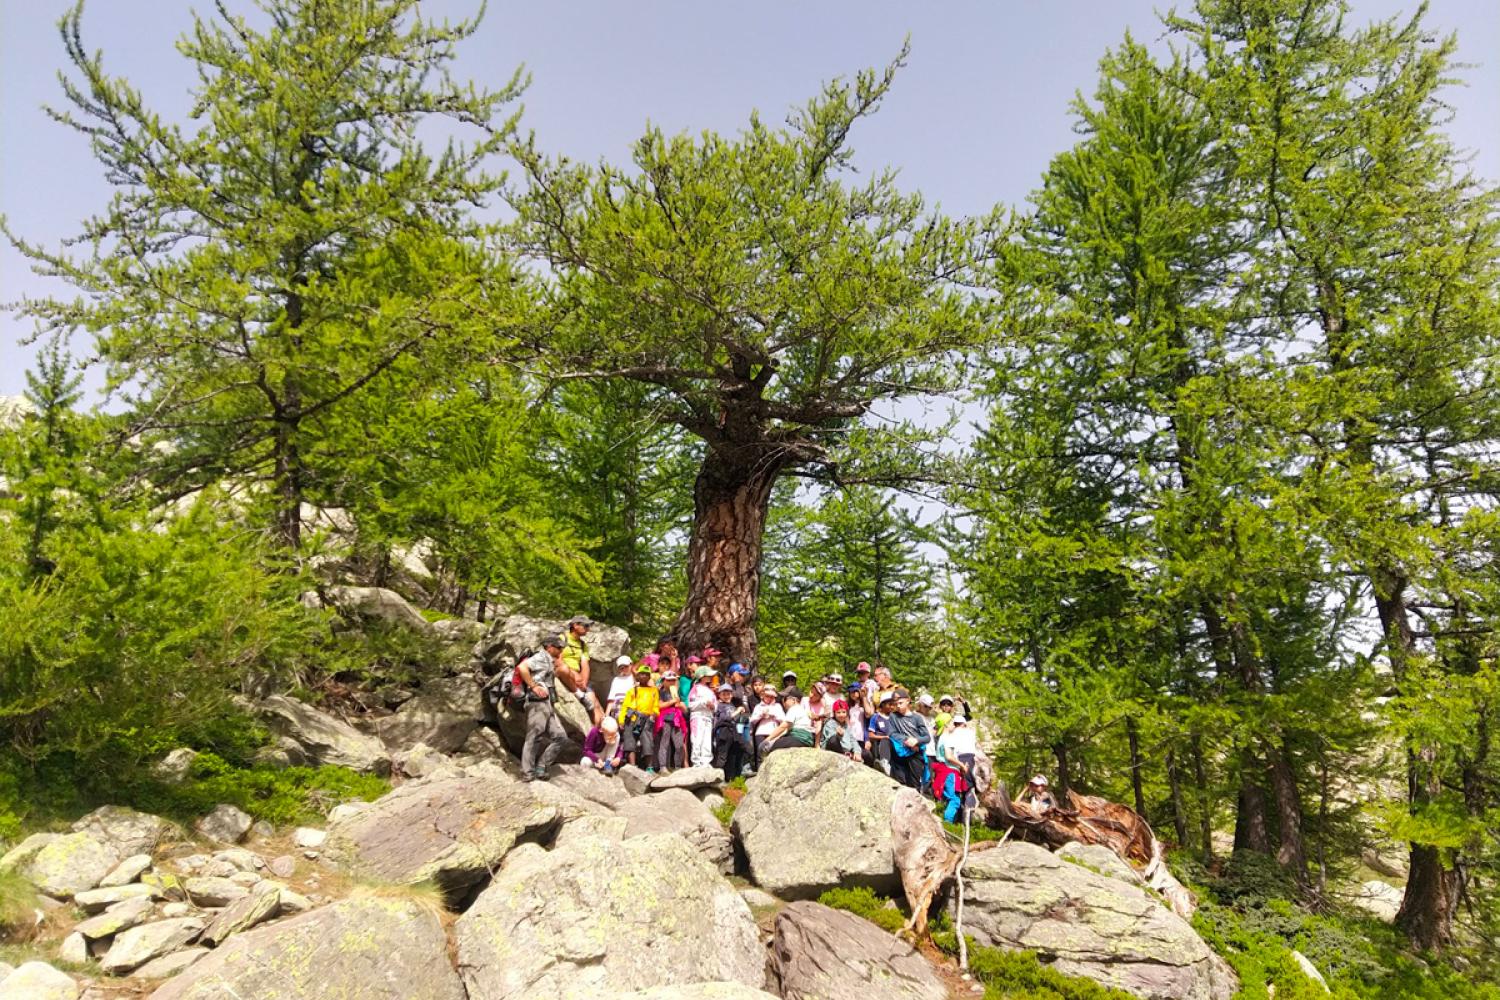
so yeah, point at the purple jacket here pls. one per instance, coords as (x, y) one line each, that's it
(593, 747)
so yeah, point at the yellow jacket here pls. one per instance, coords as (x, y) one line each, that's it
(645, 700)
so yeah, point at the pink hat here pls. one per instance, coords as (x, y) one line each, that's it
(695, 658)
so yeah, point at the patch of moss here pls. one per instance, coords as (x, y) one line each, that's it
(864, 902)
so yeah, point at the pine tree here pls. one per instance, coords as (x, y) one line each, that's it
(278, 256)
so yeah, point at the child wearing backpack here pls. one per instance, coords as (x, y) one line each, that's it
(637, 718)
(671, 725)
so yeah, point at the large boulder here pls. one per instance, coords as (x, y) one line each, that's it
(453, 829)
(699, 991)
(570, 712)
(511, 637)
(574, 940)
(313, 737)
(37, 981)
(1379, 899)
(370, 946)
(126, 831)
(375, 604)
(443, 715)
(819, 953)
(140, 944)
(1021, 896)
(62, 866)
(842, 814)
(690, 778)
(678, 811)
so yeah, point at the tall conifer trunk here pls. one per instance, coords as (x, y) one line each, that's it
(730, 499)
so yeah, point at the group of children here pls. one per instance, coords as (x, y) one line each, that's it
(664, 712)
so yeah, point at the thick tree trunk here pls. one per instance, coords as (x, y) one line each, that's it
(1250, 830)
(730, 499)
(1291, 852)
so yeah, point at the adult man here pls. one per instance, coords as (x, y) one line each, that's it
(883, 679)
(574, 669)
(909, 737)
(1037, 797)
(544, 731)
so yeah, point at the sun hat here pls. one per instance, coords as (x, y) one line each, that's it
(623, 661)
(946, 699)
(726, 689)
(863, 668)
(711, 651)
(553, 640)
(580, 620)
(703, 672)
(925, 700)
(855, 688)
(958, 720)
(788, 673)
(840, 706)
(643, 671)
(1039, 780)
(739, 668)
(695, 658)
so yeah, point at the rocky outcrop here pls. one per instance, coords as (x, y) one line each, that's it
(1379, 899)
(690, 778)
(309, 736)
(369, 946)
(226, 824)
(62, 865)
(38, 981)
(452, 829)
(443, 715)
(125, 831)
(1022, 896)
(702, 991)
(570, 712)
(521, 941)
(842, 815)
(508, 639)
(140, 944)
(818, 953)
(375, 604)
(680, 812)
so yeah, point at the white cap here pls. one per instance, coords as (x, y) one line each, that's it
(623, 661)
(1039, 780)
(926, 699)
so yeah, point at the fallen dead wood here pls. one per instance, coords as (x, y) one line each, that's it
(1089, 819)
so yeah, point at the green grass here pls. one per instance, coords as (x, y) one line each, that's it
(18, 901)
(724, 813)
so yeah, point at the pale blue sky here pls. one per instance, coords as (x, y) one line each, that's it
(972, 122)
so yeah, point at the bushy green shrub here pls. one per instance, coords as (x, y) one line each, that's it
(864, 902)
(282, 796)
(724, 813)
(1360, 958)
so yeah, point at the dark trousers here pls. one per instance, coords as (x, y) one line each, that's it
(729, 750)
(671, 746)
(907, 770)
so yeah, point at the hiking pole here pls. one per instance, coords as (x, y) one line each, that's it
(963, 946)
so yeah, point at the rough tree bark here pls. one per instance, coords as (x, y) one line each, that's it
(730, 499)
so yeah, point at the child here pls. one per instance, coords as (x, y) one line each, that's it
(855, 700)
(878, 733)
(637, 718)
(602, 747)
(764, 720)
(702, 699)
(729, 747)
(796, 727)
(671, 725)
(623, 681)
(836, 735)
(817, 705)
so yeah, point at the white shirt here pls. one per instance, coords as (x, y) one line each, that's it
(957, 740)
(619, 688)
(800, 718)
(766, 718)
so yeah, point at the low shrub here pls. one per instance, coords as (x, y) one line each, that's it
(279, 795)
(1021, 975)
(864, 902)
(18, 901)
(724, 812)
